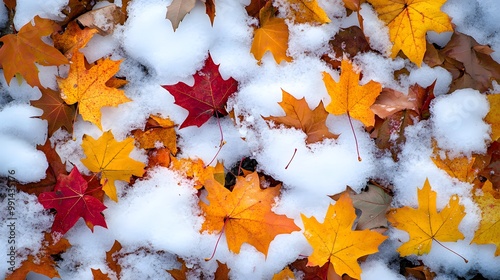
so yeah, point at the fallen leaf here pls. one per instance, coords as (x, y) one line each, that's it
(72, 39)
(75, 8)
(87, 86)
(408, 23)
(157, 130)
(419, 273)
(353, 5)
(196, 170)
(300, 116)
(475, 68)
(210, 10)
(351, 98)
(493, 116)
(285, 274)
(44, 262)
(72, 201)
(99, 275)
(159, 157)
(489, 225)
(111, 158)
(177, 10)
(222, 272)
(307, 11)
(460, 167)
(373, 202)
(426, 224)
(391, 132)
(207, 97)
(335, 242)
(254, 7)
(103, 19)
(491, 171)
(57, 113)
(179, 274)
(21, 51)
(272, 35)
(349, 41)
(244, 215)
(112, 262)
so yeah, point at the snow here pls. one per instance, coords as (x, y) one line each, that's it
(160, 211)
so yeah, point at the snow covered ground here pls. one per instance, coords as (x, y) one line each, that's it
(160, 212)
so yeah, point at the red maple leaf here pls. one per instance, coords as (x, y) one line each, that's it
(206, 97)
(72, 200)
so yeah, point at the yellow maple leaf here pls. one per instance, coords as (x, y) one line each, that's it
(244, 214)
(493, 116)
(409, 21)
(307, 11)
(426, 224)
(335, 242)
(87, 86)
(350, 97)
(111, 158)
(489, 226)
(460, 167)
(271, 36)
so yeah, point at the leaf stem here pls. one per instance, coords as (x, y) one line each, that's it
(354, 133)
(221, 144)
(218, 239)
(465, 260)
(294, 152)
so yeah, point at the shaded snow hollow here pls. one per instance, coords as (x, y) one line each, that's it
(160, 212)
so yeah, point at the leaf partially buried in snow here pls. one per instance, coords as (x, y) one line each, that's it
(245, 214)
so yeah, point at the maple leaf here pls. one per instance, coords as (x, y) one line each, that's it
(196, 170)
(349, 97)
(21, 51)
(285, 274)
(335, 242)
(157, 130)
(307, 11)
(111, 261)
(57, 113)
(111, 159)
(207, 97)
(353, 5)
(460, 167)
(72, 201)
(489, 225)
(271, 36)
(426, 224)
(56, 167)
(244, 214)
(87, 86)
(300, 116)
(103, 19)
(72, 39)
(493, 116)
(44, 262)
(409, 21)
(99, 275)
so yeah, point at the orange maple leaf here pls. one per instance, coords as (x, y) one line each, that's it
(21, 51)
(271, 36)
(111, 159)
(244, 214)
(196, 170)
(87, 86)
(73, 39)
(300, 116)
(493, 116)
(460, 167)
(335, 242)
(351, 98)
(43, 262)
(426, 224)
(157, 130)
(409, 21)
